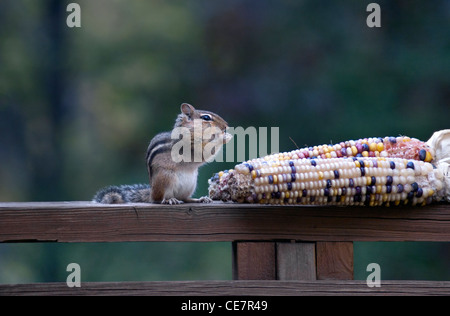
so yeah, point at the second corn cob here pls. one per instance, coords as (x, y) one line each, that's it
(393, 147)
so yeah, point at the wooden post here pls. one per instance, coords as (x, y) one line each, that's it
(334, 260)
(274, 261)
(296, 261)
(293, 260)
(254, 261)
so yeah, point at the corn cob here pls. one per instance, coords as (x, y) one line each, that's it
(335, 181)
(394, 147)
(370, 171)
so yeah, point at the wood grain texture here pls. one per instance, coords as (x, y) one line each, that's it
(296, 261)
(254, 261)
(233, 288)
(90, 222)
(334, 260)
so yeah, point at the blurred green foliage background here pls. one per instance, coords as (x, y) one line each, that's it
(78, 106)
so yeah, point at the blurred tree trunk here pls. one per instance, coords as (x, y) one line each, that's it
(47, 181)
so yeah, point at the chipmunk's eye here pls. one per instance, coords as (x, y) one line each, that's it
(206, 117)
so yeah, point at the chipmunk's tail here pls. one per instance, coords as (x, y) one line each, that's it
(136, 193)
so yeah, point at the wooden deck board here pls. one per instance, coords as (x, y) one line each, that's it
(90, 222)
(232, 288)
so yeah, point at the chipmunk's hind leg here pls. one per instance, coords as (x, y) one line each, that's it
(171, 201)
(162, 188)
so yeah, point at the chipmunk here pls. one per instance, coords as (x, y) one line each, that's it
(173, 180)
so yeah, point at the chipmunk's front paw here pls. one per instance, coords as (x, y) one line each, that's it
(205, 199)
(171, 201)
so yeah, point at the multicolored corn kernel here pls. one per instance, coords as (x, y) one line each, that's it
(335, 181)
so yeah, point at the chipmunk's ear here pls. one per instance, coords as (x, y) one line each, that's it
(187, 109)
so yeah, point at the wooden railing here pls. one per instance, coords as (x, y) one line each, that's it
(277, 250)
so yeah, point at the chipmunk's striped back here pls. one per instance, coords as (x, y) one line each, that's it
(160, 144)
